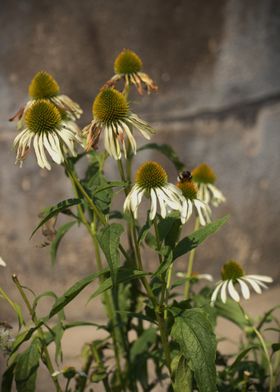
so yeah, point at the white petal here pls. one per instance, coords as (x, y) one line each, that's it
(37, 151)
(262, 278)
(2, 262)
(224, 292)
(244, 289)
(216, 292)
(153, 205)
(232, 291)
(130, 137)
(42, 150)
(254, 284)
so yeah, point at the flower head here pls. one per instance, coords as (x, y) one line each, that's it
(44, 125)
(232, 273)
(151, 180)
(191, 200)
(112, 115)
(204, 176)
(128, 66)
(44, 86)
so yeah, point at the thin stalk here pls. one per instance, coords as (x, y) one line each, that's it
(157, 240)
(47, 358)
(270, 369)
(190, 265)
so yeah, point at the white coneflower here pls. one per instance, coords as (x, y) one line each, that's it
(151, 180)
(204, 176)
(45, 127)
(196, 275)
(232, 273)
(111, 114)
(44, 86)
(128, 67)
(191, 202)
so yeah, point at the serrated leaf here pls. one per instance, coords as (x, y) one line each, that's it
(73, 291)
(167, 151)
(193, 332)
(143, 343)
(182, 375)
(196, 238)
(61, 231)
(123, 275)
(49, 212)
(26, 367)
(109, 240)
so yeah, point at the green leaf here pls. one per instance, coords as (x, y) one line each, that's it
(14, 306)
(167, 151)
(24, 337)
(109, 240)
(232, 312)
(109, 185)
(241, 356)
(26, 367)
(275, 347)
(49, 212)
(123, 275)
(167, 261)
(58, 237)
(7, 378)
(169, 229)
(143, 343)
(196, 238)
(73, 291)
(182, 374)
(193, 332)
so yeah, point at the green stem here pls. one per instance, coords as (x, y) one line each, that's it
(47, 358)
(190, 265)
(270, 370)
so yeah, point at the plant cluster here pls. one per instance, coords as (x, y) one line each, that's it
(160, 329)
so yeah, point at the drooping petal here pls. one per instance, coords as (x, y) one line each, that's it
(232, 291)
(153, 204)
(244, 289)
(216, 292)
(224, 291)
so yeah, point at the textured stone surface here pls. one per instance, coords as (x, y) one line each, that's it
(218, 68)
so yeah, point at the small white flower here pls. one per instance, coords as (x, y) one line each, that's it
(233, 274)
(46, 129)
(191, 202)
(111, 115)
(151, 181)
(2, 262)
(204, 176)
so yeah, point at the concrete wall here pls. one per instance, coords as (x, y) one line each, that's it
(217, 64)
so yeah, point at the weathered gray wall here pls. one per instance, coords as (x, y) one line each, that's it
(217, 64)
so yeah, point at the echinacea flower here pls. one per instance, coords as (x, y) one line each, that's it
(151, 181)
(128, 66)
(111, 114)
(44, 125)
(232, 274)
(204, 176)
(192, 202)
(44, 86)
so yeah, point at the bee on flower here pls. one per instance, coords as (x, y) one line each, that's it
(191, 200)
(44, 125)
(204, 176)
(44, 86)
(112, 115)
(151, 180)
(128, 66)
(233, 274)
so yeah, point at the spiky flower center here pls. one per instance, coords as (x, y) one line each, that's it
(110, 106)
(232, 270)
(204, 174)
(127, 62)
(43, 85)
(42, 116)
(150, 175)
(188, 189)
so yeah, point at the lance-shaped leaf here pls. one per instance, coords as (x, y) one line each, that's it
(193, 332)
(109, 240)
(49, 212)
(182, 374)
(73, 291)
(196, 238)
(26, 367)
(58, 237)
(167, 151)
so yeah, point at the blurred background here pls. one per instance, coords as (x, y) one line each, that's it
(217, 64)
